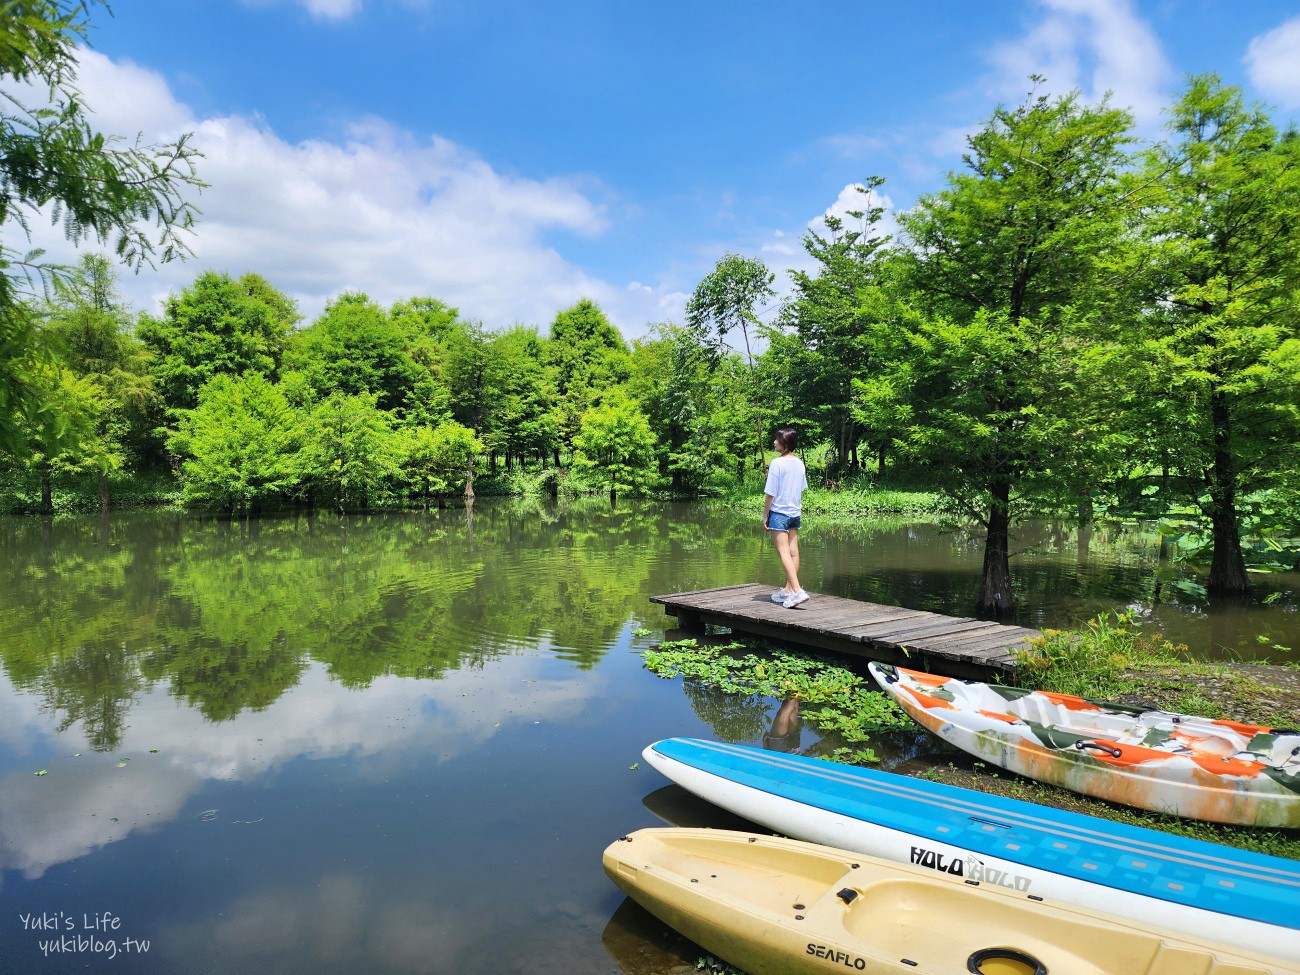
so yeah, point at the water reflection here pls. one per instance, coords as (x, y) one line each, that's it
(398, 743)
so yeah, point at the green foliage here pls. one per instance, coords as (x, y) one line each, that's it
(218, 326)
(1219, 353)
(1005, 272)
(848, 501)
(356, 347)
(89, 328)
(727, 298)
(242, 443)
(438, 461)
(129, 197)
(350, 454)
(615, 446)
(523, 419)
(1111, 658)
(834, 699)
(841, 327)
(586, 356)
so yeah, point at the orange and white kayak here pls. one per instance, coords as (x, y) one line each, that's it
(1179, 764)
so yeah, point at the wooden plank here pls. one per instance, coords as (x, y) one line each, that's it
(684, 598)
(1013, 634)
(865, 632)
(959, 645)
(988, 643)
(737, 594)
(973, 631)
(917, 630)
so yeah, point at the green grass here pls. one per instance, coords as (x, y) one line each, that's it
(1112, 659)
(849, 499)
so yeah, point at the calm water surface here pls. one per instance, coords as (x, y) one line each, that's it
(398, 744)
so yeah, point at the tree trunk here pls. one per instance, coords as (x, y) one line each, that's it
(104, 499)
(557, 456)
(995, 599)
(1085, 512)
(469, 485)
(1227, 564)
(47, 496)
(881, 454)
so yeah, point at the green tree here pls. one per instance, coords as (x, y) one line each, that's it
(218, 326)
(728, 298)
(1219, 351)
(1006, 264)
(91, 330)
(241, 442)
(130, 197)
(351, 453)
(587, 356)
(472, 373)
(681, 389)
(439, 461)
(68, 441)
(357, 347)
(523, 420)
(615, 445)
(835, 315)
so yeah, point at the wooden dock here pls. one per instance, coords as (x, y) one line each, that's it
(958, 647)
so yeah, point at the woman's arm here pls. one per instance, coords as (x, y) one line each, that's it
(767, 507)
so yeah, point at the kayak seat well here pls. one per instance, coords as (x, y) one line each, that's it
(768, 878)
(897, 916)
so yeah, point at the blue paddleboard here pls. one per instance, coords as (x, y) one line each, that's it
(1242, 898)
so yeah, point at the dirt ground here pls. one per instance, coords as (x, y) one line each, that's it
(1254, 693)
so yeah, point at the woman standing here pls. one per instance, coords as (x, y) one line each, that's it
(786, 480)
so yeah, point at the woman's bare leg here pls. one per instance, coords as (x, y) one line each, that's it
(794, 549)
(782, 542)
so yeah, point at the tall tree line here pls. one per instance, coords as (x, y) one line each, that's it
(1070, 319)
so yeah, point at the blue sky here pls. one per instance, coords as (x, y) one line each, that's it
(512, 157)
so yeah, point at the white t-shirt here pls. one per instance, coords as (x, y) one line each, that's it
(786, 481)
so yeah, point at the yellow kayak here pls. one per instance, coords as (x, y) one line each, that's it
(774, 906)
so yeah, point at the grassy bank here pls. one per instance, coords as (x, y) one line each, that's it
(23, 495)
(1112, 659)
(850, 499)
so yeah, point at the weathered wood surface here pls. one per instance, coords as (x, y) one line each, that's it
(959, 646)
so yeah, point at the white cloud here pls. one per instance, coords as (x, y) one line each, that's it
(88, 802)
(1093, 45)
(1273, 63)
(377, 210)
(335, 10)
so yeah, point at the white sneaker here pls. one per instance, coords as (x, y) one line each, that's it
(780, 596)
(795, 598)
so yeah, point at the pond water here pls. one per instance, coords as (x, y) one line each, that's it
(398, 743)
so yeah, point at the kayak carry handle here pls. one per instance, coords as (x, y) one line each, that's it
(1112, 752)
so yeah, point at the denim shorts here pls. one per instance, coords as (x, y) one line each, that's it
(780, 523)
